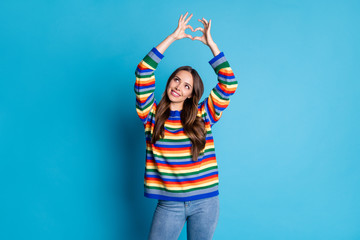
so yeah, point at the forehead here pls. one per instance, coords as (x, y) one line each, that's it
(185, 76)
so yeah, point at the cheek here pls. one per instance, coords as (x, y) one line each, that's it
(171, 84)
(187, 93)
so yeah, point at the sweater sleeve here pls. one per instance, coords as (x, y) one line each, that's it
(219, 97)
(145, 83)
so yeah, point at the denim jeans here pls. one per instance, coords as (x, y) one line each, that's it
(170, 216)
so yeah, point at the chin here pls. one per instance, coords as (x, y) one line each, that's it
(174, 100)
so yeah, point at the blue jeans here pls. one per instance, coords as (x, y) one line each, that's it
(170, 216)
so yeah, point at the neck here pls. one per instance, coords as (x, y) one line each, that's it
(176, 106)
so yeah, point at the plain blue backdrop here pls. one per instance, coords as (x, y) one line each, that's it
(72, 148)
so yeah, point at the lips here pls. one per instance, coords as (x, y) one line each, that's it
(175, 94)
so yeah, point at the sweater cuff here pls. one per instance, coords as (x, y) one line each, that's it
(215, 58)
(157, 53)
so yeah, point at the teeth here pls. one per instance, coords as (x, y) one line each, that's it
(176, 93)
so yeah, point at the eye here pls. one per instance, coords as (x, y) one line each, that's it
(176, 79)
(188, 87)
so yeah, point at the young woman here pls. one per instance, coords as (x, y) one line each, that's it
(181, 168)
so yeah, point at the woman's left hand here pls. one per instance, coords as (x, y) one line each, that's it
(206, 37)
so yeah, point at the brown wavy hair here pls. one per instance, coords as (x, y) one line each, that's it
(194, 126)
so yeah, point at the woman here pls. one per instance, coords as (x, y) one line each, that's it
(181, 169)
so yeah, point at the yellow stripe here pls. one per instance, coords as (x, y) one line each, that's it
(173, 125)
(144, 64)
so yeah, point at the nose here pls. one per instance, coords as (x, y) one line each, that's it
(177, 86)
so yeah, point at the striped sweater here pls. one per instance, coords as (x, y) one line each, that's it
(170, 172)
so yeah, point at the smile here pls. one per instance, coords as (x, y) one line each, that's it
(175, 94)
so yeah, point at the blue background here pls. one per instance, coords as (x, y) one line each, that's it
(72, 148)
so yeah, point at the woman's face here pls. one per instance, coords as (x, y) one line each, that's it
(180, 88)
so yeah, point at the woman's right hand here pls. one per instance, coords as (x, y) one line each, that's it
(179, 33)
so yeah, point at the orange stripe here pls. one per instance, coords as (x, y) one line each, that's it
(143, 82)
(219, 103)
(227, 72)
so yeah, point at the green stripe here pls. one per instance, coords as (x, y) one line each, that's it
(227, 83)
(152, 114)
(145, 92)
(174, 128)
(149, 104)
(221, 65)
(182, 191)
(174, 140)
(150, 61)
(175, 158)
(209, 150)
(219, 96)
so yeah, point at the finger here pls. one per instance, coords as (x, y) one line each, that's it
(179, 21)
(188, 36)
(205, 20)
(185, 15)
(202, 22)
(180, 17)
(189, 26)
(188, 19)
(199, 28)
(198, 38)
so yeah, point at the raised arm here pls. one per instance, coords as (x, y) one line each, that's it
(145, 83)
(145, 78)
(219, 97)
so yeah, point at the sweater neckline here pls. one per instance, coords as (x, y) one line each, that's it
(175, 112)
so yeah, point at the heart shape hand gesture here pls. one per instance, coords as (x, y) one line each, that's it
(179, 33)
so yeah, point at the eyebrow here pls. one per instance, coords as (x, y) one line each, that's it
(180, 79)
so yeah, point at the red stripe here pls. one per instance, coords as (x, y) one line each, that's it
(174, 133)
(173, 121)
(140, 84)
(209, 140)
(179, 183)
(174, 149)
(221, 85)
(230, 74)
(142, 68)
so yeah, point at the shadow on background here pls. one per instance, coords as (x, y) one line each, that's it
(129, 144)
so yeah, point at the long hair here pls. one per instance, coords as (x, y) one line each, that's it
(194, 126)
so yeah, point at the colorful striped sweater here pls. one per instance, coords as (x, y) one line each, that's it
(170, 173)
